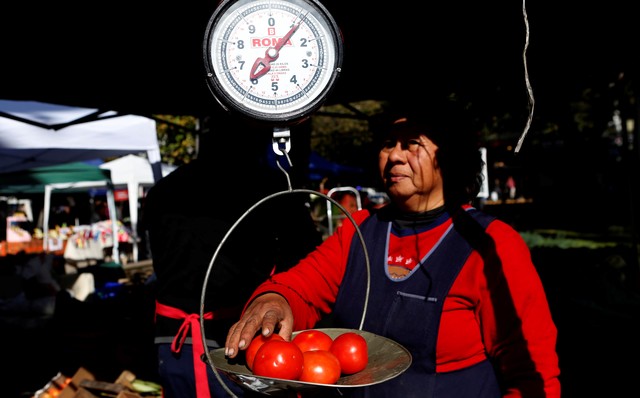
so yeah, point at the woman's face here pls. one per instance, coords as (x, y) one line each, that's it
(410, 172)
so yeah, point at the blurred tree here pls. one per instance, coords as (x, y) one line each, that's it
(339, 130)
(178, 138)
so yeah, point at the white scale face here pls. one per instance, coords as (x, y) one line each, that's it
(273, 60)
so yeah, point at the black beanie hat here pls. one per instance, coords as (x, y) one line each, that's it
(443, 122)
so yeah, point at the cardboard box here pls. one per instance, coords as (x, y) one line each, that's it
(71, 390)
(83, 384)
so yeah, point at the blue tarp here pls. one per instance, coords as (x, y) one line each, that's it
(320, 167)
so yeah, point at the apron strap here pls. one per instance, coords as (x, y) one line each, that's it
(190, 323)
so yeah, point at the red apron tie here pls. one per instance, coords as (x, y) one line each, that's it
(190, 324)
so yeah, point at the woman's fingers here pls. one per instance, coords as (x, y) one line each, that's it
(270, 313)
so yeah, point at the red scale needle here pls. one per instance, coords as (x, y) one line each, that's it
(263, 64)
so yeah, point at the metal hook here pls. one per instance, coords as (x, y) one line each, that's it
(282, 138)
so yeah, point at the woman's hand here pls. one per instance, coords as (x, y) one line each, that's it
(269, 312)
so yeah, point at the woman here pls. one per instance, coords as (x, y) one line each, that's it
(453, 285)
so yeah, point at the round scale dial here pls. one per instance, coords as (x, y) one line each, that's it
(272, 60)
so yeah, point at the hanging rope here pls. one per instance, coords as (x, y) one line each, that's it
(526, 78)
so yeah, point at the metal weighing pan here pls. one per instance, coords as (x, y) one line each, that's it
(387, 359)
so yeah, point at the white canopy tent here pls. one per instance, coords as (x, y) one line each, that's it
(36, 134)
(134, 172)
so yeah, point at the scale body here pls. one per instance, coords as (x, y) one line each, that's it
(275, 62)
(272, 61)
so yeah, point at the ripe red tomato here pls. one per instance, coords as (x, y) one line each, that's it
(279, 359)
(309, 340)
(256, 343)
(351, 350)
(320, 366)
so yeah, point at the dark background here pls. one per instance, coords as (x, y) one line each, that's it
(146, 58)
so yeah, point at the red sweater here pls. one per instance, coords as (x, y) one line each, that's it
(468, 331)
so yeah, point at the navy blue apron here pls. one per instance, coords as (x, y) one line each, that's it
(408, 312)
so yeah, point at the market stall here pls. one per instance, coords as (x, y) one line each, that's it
(134, 173)
(64, 177)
